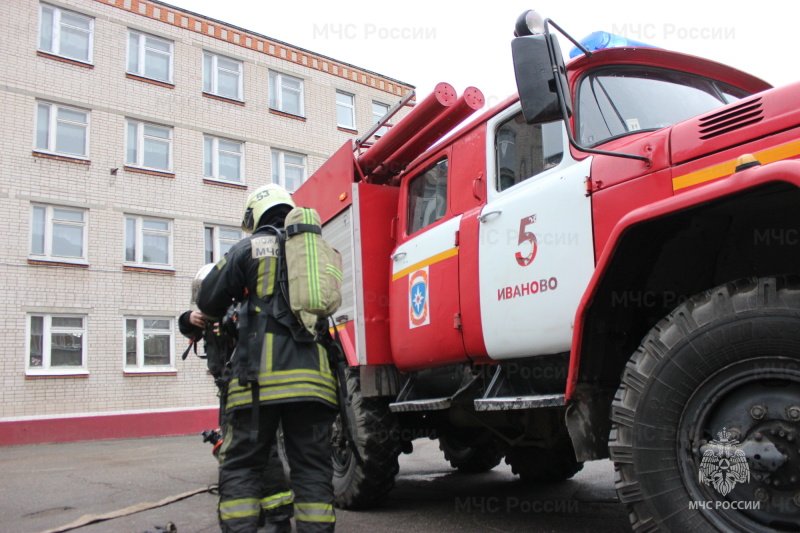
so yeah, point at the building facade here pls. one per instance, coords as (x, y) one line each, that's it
(134, 131)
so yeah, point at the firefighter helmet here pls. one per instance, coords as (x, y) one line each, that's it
(198, 280)
(261, 200)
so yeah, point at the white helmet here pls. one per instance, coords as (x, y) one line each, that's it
(262, 199)
(198, 280)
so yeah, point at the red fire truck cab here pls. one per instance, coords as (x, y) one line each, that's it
(604, 266)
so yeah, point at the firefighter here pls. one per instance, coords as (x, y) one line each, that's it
(277, 379)
(276, 504)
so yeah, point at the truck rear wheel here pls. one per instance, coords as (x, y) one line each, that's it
(706, 422)
(363, 480)
(474, 454)
(536, 464)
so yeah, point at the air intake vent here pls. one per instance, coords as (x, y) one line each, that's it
(731, 119)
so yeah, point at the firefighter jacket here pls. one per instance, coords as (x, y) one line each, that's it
(269, 363)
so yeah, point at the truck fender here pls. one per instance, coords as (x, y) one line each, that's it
(787, 171)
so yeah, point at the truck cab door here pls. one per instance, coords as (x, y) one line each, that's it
(536, 251)
(424, 287)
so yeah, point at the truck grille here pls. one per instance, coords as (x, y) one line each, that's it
(731, 119)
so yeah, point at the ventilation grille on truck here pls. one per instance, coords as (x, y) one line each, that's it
(731, 119)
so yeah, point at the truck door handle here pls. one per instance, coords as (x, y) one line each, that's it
(477, 187)
(398, 256)
(485, 217)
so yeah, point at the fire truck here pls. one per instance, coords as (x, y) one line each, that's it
(605, 265)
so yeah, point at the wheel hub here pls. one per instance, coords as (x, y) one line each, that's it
(773, 453)
(745, 449)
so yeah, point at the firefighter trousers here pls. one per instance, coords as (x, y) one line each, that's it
(276, 502)
(307, 433)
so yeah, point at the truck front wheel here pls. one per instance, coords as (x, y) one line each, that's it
(362, 480)
(706, 422)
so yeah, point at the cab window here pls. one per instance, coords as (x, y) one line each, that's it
(617, 101)
(523, 151)
(427, 197)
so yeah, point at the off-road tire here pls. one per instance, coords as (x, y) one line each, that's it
(365, 481)
(697, 369)
(480, 455)
(535, 464)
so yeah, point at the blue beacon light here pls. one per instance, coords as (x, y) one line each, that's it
(600, 40)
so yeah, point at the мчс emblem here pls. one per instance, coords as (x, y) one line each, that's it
(418, 299)
(722, 465)
(264, 246)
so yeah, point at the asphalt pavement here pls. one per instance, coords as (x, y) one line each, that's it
(147, 483)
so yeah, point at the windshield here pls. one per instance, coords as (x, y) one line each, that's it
(620, 100)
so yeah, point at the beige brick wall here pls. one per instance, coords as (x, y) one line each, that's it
(103, 292)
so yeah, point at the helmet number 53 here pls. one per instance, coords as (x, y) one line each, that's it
(526, 237)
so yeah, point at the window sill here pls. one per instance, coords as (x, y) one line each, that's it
(62, 59)
(149, 270)
(159, 173)
(219, 183)
(56, 374)
(287, 115)
(223, 99)
(58, 263)
(151, 81)
(143, 373)
(347, 130)
(65, 158)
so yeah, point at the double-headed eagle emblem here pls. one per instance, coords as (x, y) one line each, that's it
(722, 465)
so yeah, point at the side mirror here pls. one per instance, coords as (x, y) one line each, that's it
(534, 71)
(542, 77)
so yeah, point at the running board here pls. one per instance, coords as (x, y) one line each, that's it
(520, 402)
(433, 404)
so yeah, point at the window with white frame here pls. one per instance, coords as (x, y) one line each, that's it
(58, 233)
(149, 344)
(222, 76)
(65, 33)
(223, 159)
(56, 344)
(62, 130)
(345, 110)
(288, 169)
(148, 241)
(218, 241)
(379, 111)
(148, 146)
(286, 93)
(149, 56)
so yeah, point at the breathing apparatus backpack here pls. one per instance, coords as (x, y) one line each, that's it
(313, 268)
